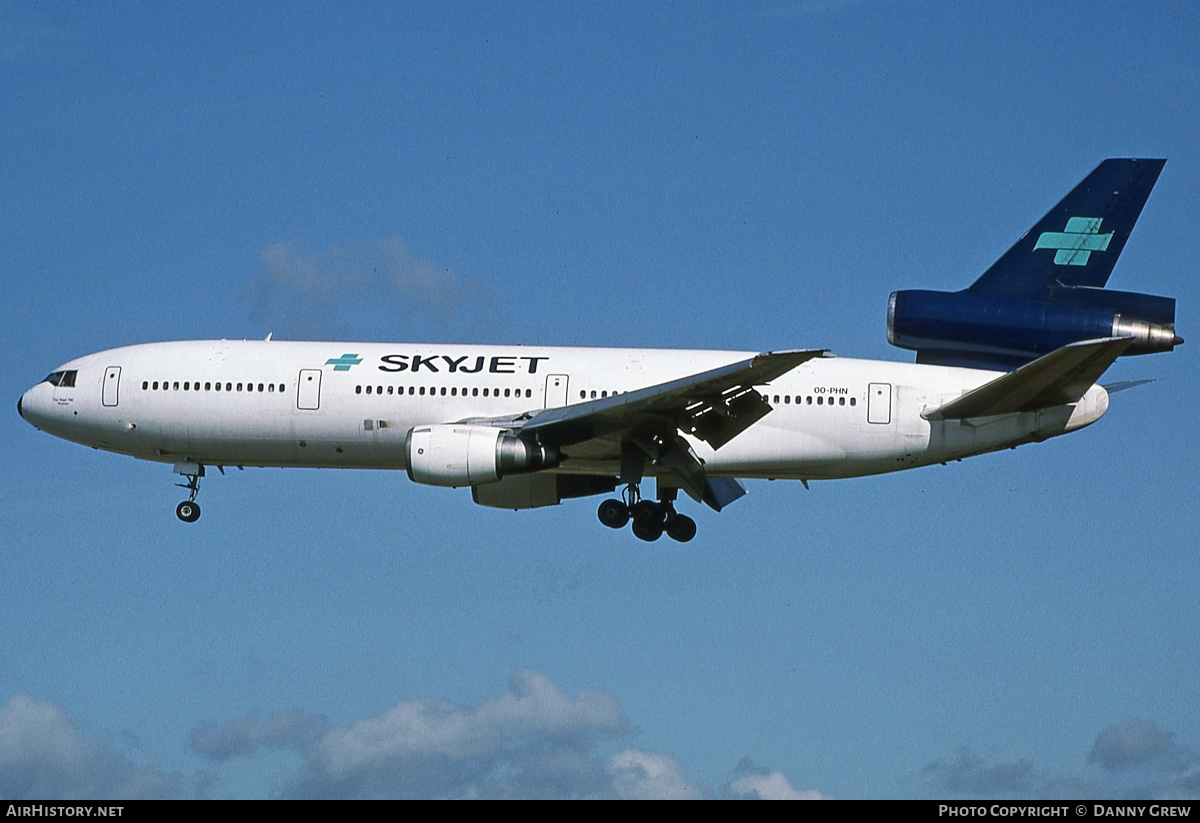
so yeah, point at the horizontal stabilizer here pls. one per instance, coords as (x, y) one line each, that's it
(1059, 378)
(1124, 385)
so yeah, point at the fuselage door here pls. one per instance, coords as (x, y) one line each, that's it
(112, 382)
(556, 390)
(879, 403)
(308, 393)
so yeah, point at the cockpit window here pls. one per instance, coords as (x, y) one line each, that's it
(63, 379)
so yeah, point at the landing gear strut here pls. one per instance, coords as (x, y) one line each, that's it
(189, 510)
(650, 519)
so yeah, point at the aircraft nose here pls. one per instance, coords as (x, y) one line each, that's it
(28, 408)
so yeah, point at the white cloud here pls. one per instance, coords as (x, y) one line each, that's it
(758, 783)
(44, 754)
(970, 774)
(771, 786)
(638, 775)
(531, 741)
(296, 730)
(299, 288)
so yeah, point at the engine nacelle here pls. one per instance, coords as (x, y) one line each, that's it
(963, 323)
(531, 491)
(467, 455)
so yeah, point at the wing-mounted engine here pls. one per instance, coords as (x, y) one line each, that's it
(1047, 291)
(468, 455)
(531, 491)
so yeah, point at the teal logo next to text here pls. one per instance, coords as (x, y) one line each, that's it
(344, 362)
(1074, 246)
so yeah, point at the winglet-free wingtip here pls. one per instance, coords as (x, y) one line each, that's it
(809, 352)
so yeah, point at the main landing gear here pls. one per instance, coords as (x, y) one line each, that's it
(650, 519)
(189, 510)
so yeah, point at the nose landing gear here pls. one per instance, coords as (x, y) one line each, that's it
(189, 510)
(650, 519)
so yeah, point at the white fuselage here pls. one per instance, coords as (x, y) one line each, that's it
(350, 405)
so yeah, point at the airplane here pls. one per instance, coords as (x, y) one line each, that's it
(1012, 359)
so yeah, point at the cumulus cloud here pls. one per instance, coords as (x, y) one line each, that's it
(1139, 759)
(44, 754)
(301, 288)
(296, 730)
(638, 775)
(969, 774)
(1131, 743)
(531, 741)
(758, 783)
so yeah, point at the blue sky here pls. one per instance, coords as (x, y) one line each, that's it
(745, 176)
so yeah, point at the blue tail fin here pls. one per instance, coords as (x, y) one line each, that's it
(1047, 291)
(1078, 242)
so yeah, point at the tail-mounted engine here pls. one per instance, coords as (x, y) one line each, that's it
(1047, 291)
(468, 455)
(964, 328)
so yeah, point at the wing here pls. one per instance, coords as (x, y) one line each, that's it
(648, 424)
(1059, 378)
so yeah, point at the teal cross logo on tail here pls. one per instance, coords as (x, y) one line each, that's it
(1075, 245)
(344, 362)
